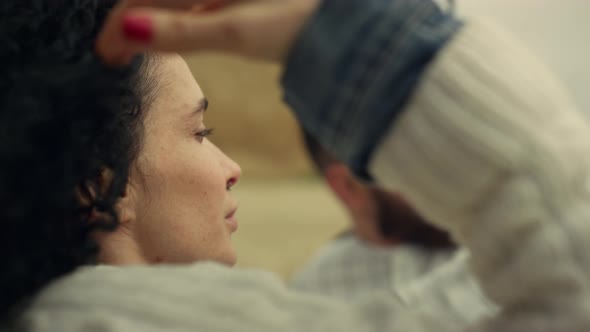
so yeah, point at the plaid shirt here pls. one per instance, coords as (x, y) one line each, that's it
(348, 267)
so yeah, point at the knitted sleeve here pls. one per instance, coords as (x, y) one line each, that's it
(491, 148)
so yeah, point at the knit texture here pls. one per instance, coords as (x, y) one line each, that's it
(492, 149)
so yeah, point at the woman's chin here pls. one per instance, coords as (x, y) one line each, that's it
(230, 259)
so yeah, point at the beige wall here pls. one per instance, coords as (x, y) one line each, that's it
(557, 31)
(252, 124)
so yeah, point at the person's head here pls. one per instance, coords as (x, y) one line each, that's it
(378, 217)
(97, 164)
(176, 207)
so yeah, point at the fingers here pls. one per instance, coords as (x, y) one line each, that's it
(128, 31)
(159, 30)
(111, 44)
(260, 29)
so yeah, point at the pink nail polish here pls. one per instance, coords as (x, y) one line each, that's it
(138, 28)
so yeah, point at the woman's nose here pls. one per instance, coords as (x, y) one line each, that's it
(234, 173)
(232, 170)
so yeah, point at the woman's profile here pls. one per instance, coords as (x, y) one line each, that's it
(101, 165)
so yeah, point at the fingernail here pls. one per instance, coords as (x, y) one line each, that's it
(138, 28)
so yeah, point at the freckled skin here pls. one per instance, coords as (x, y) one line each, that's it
(177, 199)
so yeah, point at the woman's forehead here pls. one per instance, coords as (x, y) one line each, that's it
(176, 88)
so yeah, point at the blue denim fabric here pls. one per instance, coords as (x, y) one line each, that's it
(354, 67)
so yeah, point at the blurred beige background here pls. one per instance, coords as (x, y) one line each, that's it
(285, 212)
(251, 122)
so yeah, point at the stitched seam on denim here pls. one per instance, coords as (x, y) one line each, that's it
(363, 72)
(346, 95)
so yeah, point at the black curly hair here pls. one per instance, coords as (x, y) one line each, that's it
(65, 120)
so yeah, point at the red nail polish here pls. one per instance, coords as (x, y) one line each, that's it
(138, 28)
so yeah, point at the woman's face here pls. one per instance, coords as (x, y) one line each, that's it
(178, 207)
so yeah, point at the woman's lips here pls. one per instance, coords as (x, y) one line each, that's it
(231, 220)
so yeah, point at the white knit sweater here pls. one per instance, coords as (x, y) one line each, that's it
(490, 148)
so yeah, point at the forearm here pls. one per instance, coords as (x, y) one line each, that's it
(354, 67)
(492, 149)
(487, 146)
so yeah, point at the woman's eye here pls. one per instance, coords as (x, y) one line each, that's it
(204, 133)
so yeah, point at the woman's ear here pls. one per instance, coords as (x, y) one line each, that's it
(89, 191)
(120, 247)
(126, 205)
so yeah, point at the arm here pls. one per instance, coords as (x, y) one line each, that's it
(479, 136)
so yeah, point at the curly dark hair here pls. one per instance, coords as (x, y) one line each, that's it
(65, 120)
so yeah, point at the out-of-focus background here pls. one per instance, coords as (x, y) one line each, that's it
(286, 212)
